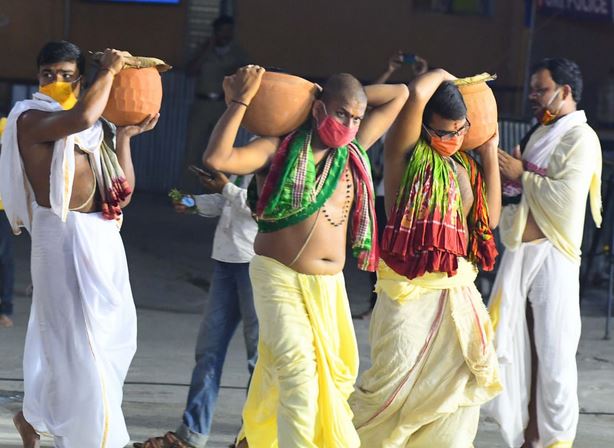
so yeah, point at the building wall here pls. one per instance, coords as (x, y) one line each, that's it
(31, 22)
(589, 43)
(144, 30)
(315, 38)
(318, 37)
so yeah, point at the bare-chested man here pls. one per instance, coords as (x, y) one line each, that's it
(61, 179)
(311, 184)
(433, 360)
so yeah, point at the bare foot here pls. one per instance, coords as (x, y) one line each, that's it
(29, 436)
(5, 321)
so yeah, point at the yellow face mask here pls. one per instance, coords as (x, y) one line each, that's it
(62, 92)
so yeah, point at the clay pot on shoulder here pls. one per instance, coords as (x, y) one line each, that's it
(481, 113)
(135, 94)
(281, 105)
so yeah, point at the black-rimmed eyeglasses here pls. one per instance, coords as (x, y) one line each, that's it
(448, 135)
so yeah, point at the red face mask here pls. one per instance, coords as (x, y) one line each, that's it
(335, 134)
(446, 147)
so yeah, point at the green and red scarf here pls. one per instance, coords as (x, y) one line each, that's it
(426, 230)
(294, 190)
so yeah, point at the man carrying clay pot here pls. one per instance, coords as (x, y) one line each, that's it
(432, 355)
(59, 171)
(310, 185)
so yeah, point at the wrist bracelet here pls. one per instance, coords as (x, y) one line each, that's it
(240, 102)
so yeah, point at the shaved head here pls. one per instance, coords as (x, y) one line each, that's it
(343, 99)
(345, 88)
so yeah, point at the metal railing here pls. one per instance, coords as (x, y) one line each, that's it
(511, 132)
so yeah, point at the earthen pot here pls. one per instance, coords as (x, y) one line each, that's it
(481, 113)
(136, 93)
(282, 104)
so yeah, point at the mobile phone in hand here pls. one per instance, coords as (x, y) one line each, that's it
(188, 201)
(409, 58)
(201, 172)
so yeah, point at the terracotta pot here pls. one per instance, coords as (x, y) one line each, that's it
(282, 104)
(481, 112)
(135, 94)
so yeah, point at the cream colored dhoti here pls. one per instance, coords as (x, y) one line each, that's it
(433, 362)
(307, 361)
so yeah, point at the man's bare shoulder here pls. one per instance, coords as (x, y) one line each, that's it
(28, 119)
(38, 126)
(31, 116)
(29, 136)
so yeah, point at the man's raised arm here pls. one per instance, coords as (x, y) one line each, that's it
(39, 127)
(406, 129)
(221, 154)
(405, 132)
(492, 178)
(386, 100)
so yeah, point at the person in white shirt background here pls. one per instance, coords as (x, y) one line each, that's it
(230, 301)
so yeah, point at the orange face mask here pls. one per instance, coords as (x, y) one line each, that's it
(62, 92)
(448, 146)
(548, 117)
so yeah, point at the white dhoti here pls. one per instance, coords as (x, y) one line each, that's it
(82, 331)
(549, 280)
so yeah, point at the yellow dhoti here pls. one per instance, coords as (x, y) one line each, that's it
(433, 362)
(307, 361)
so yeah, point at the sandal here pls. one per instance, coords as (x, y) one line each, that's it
(168, 440)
